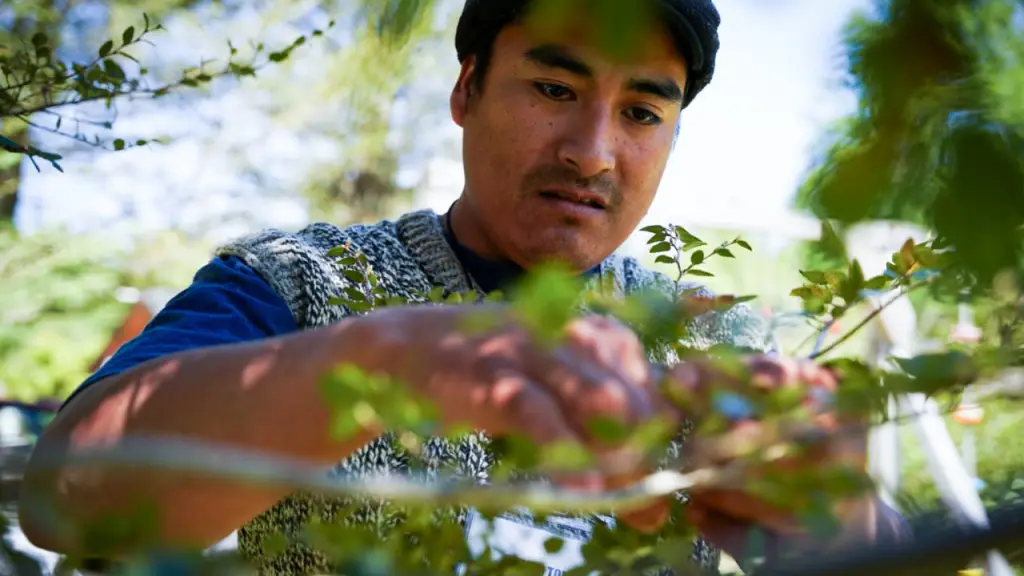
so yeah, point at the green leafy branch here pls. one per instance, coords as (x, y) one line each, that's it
(34, 81)
(831, 294)
(670, 244)
(716, 456)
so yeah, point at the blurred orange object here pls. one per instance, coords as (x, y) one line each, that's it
(969, 414)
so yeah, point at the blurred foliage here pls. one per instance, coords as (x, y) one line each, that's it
(929, 139)
(59, 308)
(43, 82)
(935, 139)
(543, 303)
(352, 101)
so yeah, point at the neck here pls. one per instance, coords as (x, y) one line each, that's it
(471, 233)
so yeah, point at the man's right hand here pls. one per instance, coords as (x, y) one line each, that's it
(503, 382)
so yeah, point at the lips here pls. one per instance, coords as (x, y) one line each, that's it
(576, 197)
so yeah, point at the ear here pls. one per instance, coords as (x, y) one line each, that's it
(459, 100)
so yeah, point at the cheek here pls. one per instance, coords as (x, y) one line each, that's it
(508, 138)
(642, 172)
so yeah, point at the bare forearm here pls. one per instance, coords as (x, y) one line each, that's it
(261, 396)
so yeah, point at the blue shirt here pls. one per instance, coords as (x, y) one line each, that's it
(227, 302)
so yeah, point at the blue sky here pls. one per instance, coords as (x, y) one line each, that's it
(744, 147)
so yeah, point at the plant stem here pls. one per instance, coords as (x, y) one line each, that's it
(866, 319)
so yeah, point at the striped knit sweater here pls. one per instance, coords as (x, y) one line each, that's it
(411, 256)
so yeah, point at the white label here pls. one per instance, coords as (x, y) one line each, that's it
(517, 534)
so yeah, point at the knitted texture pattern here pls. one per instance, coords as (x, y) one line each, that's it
(410, 256)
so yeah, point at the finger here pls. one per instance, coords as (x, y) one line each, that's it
(741, 540)
(614, 349)
(690, 385)
(587, 381)
(588, 392)
(771, 373)
(648, 519)
(613, 345)
(514, 404)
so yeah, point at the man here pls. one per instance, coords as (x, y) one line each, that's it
(564, 148)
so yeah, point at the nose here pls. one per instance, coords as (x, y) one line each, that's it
(589, 145)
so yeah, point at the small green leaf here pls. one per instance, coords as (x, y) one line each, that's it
(354, 275)
(106, 48)
(660, 247)
(814, 276)
(935, 371)
(663, 259)
(906, 254)
(355, 294)
(128, 35)
(436, 294)
(878, 283)
(744, 244)
(684, 235)
(697, 258)
(607, 429)
(113, 70)
(118, 144)
(553, 545)
(724, 252)
(699, 272)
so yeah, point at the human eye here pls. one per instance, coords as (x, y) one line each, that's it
(641, 115)
(554, 91)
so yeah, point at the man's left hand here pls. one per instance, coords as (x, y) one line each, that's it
(727, 517)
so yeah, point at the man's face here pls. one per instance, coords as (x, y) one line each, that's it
(565, 146)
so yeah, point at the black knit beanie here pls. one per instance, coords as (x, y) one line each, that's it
(692, 23)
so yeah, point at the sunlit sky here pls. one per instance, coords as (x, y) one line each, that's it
(744, 147)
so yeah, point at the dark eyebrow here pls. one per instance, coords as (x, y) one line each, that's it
(664, 88)
(556, 56)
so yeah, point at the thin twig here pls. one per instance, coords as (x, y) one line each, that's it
(864, 321)
(261, 469)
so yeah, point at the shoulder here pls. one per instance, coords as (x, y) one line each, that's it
(315, 240)
(301, 267)
(739, 326)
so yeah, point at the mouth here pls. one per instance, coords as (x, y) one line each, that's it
(576, 197)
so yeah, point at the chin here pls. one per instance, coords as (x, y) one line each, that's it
(576, 251)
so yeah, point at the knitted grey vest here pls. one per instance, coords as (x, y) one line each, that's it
(411, 256)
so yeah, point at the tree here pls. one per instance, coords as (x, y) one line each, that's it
(41, 81)
(58, 306)
(936, 138)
